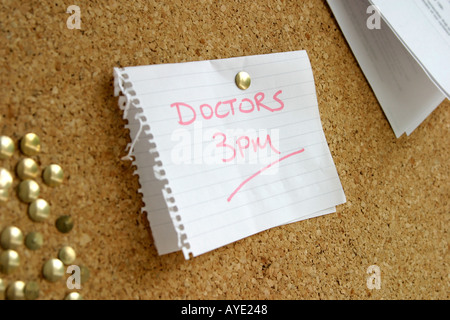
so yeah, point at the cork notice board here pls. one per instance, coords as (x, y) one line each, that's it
(58, 83)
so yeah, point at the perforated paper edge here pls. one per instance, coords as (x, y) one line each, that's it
(127, 99)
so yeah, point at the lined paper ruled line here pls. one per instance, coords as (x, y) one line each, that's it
(221, 70)
(260, 171)
(244, 121)
(258, 215)
(284, 165)
(187, 221)
(265, 128)
(225, 83)
(193, 145)
(243, 94)
(200, 158)
(175, 117)
(161, 136)
(221, 168)
(248, 189)
(135, 124)
(192, 221)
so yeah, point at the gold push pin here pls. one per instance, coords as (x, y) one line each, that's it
(28, 190)
(30, 144)
(27, 169)
(67, 255)
(53, 270)
(85, 274)
(4, 195)
(53, 175)
(2, 289)
(31, 290)
(6, 147)
(39, 210)
(16, 291)
(73, 296)
(34, 240)
(9, 261)
(6, 179)
(64, 224)
(11, 238)
(243, 80)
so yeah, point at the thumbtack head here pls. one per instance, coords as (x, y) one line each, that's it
(73, 296)
(39, 210)
(30, 144)
(11, 238)
(6, 147)
(64, 224)
(6, 179)
(31, 290)
(53, 175)
(53, 270)
(4, 195)
(28, 190)
(9, 261)
(67, 255)
(34, 240)
(243, 80)
(16, 291)
(27, 169)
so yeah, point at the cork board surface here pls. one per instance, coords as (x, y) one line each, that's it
(58, 83)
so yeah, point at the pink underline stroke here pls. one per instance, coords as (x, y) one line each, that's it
(260, 171)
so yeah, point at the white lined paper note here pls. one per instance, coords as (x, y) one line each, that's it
(216, 163)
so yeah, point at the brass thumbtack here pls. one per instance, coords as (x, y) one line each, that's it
(6, 179)
(2, 289)
(16, 291)
(31, 290)
(67, 255)
(34, 240)
(39, 210)
(73, 296)
(11, 238)
(4, 195)
(6, 147)
(53, 270)
(30, 144)
(53, 175)
(64, 224)
(243, 80)
(85, 274)
(28, 190)
(27, 169)
(9, 261)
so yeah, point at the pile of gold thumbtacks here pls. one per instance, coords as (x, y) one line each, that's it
(11, 237)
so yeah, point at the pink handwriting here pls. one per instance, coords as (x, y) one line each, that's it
(242, 144)
(260, 171)
(224, 109)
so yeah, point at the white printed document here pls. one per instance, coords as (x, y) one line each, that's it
(403, 48)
